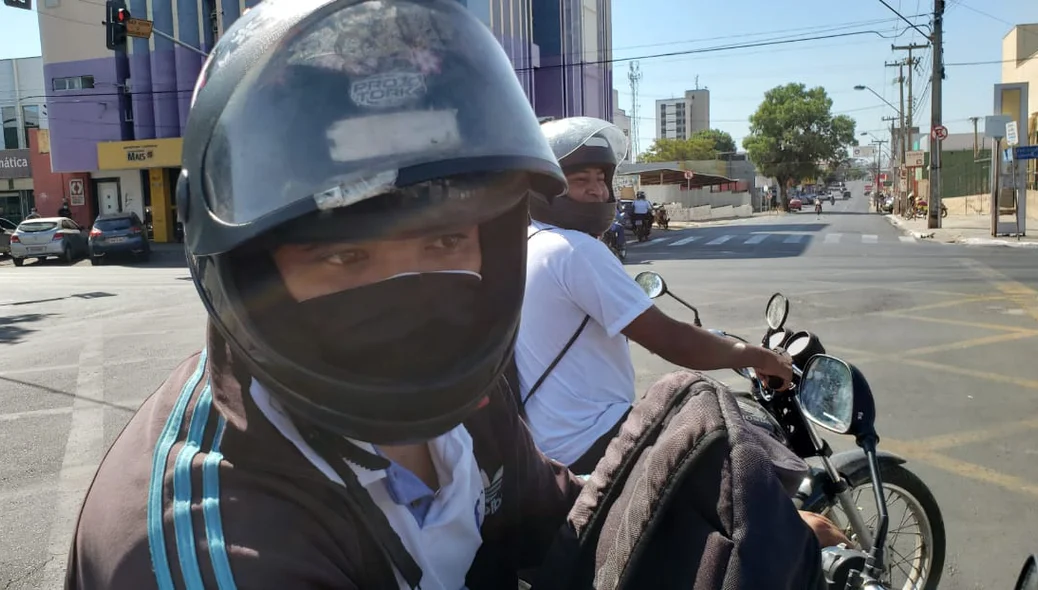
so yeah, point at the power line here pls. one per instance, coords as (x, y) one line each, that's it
(904, 18)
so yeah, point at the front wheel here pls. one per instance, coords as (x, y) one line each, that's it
(919, 561)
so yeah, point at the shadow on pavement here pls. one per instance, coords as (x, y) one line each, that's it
(68, 394)
(90, 295)
(11, 330)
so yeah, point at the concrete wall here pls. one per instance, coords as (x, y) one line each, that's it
(1020, 61)
(981, 205)
(672, 193)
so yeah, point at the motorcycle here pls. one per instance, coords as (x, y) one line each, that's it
(642, 227)
(830, 393)
(614, 237)
(662, 217)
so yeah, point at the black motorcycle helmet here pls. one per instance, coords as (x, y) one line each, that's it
(347, 120)
(579, 143)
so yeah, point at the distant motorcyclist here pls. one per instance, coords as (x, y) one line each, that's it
(818, 208)
(643, 209)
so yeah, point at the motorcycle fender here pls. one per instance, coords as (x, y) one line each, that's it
(812, 496)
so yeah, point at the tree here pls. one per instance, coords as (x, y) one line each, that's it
(679, 150)
(794, 135)
(722, 140)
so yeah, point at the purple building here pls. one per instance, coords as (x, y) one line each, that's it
(120, 115)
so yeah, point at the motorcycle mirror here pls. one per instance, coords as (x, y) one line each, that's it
(652, 283)
(834, 395)
(777, 311)
(1028, 579)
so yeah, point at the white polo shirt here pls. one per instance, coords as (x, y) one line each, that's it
(570, 274)
(642, 206)
(444, 539)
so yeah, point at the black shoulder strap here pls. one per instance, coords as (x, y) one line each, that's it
(562, 353)
(336, 450)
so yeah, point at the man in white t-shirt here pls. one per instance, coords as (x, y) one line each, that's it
(575, 372)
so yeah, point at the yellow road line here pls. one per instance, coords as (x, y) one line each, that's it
(954, 322)
(958, 439)
(962, 468)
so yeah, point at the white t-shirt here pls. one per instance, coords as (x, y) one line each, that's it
(570, 274)
(642, 206)
(446, 543)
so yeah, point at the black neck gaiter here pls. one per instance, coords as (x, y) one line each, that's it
(411, 326)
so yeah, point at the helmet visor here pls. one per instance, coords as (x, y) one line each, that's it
(566, 136)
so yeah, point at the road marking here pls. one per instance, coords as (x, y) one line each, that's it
(719, 241)
(38, 369)
(954, 322)
(833, 238)
(793, 239)
(656, 241)
(12, 416)
(971, 343)
(756, 239)
(962, 468)
(959, 439)
(869, 238)
(684, 241)
(907, 239)
(84, 450)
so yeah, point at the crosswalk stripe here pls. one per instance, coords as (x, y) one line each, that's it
(684, 241)
(757, 238)
(719, 241)
(869, 238)
(833, 238)
(907, 239)
(656, 241)
(793, 239)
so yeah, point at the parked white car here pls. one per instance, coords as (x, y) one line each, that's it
(48, 237)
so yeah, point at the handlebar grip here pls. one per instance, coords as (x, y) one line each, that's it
(775, 382)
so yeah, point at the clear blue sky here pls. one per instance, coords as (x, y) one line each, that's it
(738, 78)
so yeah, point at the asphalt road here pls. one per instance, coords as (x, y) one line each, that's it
(946, 335)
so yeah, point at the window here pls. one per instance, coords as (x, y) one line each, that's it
(31, 119)
(10, 119)
(73, 83)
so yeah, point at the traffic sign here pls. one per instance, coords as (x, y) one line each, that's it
(689, 175)
(26, 4)
(940, 132)
(1012, 134)
(915, 159)
(75, 191)
(1026, 152)
(138, 27)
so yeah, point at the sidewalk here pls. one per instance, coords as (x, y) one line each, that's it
(725, 221)
(971, 230)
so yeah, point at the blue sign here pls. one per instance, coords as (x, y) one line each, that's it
(1026, 152)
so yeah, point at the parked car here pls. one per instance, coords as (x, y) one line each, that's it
(846, 194)
(119, 234)
(48, 237)
(7, 229)
(795, 204)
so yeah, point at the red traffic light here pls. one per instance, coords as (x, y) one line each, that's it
(122, 15)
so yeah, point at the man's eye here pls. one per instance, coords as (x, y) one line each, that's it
(448, 242)
(345, 257)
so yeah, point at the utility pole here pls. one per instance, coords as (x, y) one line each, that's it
(894, 149)
(937, 40)
(912, 62)
(976, 144)
(903, 139)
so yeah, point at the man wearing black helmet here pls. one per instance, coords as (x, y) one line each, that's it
(354, 217)
(575, 370)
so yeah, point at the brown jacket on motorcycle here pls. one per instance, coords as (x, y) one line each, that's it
(261, 515)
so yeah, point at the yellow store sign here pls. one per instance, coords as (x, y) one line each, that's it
(147, 153)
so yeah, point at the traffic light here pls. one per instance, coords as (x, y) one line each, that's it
(115, 25)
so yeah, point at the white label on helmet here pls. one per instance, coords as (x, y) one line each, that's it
(394, 134)
(354, 189)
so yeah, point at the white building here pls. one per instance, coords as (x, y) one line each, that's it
(22, 100)
(679, 118)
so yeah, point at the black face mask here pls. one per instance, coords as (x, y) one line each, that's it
(407, 327)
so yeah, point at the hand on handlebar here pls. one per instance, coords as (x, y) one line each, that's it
(827, 533)
(776, 370)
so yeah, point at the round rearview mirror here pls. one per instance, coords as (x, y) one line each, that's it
(777, 311)
(1028, 579)
(652, 283)
(827, 393)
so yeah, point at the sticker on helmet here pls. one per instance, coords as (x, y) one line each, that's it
(389, 90)
(400, 135)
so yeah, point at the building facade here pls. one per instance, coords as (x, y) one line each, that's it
(679, 118)
(119, 116)
(620, 117)
(22, 110)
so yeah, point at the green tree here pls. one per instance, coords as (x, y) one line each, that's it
(794, 135)
(679, 150)
(722, 140)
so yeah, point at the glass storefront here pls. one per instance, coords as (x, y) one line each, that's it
(14, 206)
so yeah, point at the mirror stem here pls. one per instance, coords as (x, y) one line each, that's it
(875, 560)
(695, 311)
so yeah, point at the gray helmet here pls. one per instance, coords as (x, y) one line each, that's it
(350, 120)
(579, 143)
